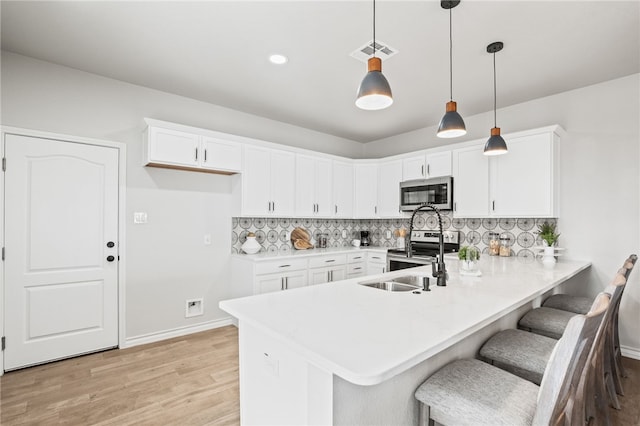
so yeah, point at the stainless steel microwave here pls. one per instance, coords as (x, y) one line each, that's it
(437, 191)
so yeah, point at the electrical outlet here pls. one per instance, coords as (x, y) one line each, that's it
(140, 217)
(194, 307)
(344, 233)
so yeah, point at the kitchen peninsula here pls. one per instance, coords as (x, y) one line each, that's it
(343, 353)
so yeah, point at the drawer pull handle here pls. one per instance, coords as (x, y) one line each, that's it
(329, 261)
(355, 269)
(284, 266)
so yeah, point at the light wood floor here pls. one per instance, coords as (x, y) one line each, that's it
(191, 380)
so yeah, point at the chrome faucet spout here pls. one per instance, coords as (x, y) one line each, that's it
(441, 272)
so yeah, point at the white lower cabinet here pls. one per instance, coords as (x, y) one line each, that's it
(279, 275)
(327, 268)
(376, 263)
(283, 281)
(251, 275)
(356, 266)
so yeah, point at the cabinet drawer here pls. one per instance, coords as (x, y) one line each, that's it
(327, 260)
(356, 257)
(377, 258)
(283, 265)
(356, 268)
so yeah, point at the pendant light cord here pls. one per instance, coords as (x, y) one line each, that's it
(495, 93)
(374, 28)
(450, 59)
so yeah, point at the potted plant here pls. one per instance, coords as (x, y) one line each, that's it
(469, 256)
(547, 232)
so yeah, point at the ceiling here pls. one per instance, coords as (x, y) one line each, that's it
(216, 51)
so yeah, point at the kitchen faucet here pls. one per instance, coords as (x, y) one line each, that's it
(441, 272)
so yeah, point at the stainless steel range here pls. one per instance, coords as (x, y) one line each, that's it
(424, 248)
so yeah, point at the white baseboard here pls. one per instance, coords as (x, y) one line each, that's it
(630, 352)
(175, 332)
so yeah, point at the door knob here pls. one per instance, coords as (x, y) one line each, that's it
(110, 258)
(110, 244)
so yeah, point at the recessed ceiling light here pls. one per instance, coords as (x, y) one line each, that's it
(278, 59)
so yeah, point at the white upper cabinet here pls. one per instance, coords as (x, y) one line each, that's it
(365, 190)
(521, 183)
(470, 182)
(389, 178)
(427, 166)
(524, 180)
(171, 148)
(313, 186)
(221, 155)
(342, 189)
(268, 182)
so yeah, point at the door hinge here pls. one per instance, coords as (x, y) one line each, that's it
(4, 164)
(3, 343)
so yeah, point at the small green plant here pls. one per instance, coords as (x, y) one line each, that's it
(474, 253)
(547, 231)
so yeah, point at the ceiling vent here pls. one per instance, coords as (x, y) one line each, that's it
(383, 51)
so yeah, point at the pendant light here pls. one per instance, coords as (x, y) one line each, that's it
(496, 144)
(452, 124)
(374, 92)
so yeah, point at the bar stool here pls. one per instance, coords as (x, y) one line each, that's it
(550, 321)
(472, 392)
(525, 354)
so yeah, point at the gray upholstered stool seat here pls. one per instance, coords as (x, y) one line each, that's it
(546, 321)
(566, 302)
(519, 352)
(491, 396)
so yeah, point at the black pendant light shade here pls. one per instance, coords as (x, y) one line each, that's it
(374, 91)
(452, 124)
(496, 145)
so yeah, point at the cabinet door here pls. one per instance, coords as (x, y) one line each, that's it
(305, 186)
(173, 147)
(283, 175)
(522, 180)
(470, 182)
(269, 283)
(376, 263)
(319, 275)
(389, 178)
(221, 155)
(323, 187)
(439, 164)
(296, 279)
(413, 168)
(256, 185)
(342, 189)
(338, 273)
(365, 190)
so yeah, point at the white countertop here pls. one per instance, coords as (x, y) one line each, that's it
(310, 252)
(367, 336)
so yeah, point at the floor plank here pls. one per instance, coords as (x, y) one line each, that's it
(190, 380)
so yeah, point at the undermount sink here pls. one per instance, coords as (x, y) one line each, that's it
(406, 283)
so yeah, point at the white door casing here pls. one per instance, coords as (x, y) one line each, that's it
(61, 211)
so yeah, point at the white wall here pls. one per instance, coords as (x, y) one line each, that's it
(167, 261)
(600, 176)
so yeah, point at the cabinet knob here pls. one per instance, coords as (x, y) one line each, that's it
(110, 258)
(111, 244)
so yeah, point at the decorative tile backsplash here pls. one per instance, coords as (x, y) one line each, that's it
(273, 233)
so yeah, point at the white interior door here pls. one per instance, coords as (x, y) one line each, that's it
(61, 263)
